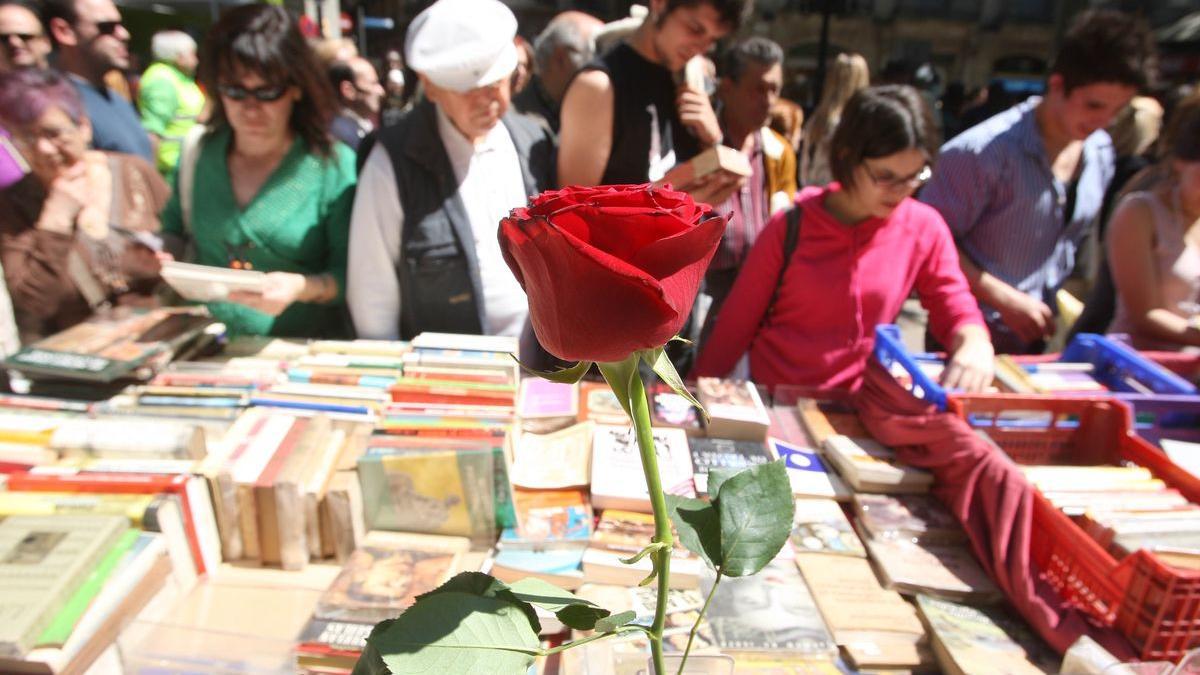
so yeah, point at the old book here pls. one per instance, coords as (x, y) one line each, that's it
(622, 534)
(870, 467)
(203, 283)
(562, 567)
(561, 459)
(384, 576)
(822, 419)
(65, 619)
(618, 480)
(908, 517)
(771, 611)
(722, 453)
(550, 518)
(446, 492)
(976, 640)
(341, 513)
(544, 406)
(820, 526)
(43, 560)
(735, 409)
(807, 471)
(716, 158)
(598, 403)
(943, 570)
(668, 409)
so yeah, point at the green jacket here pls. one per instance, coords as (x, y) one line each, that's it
(170, 103)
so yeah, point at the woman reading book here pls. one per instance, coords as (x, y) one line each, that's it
(269, 190)
(862, 245)
(79, 231)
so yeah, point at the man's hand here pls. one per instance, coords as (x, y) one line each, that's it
(713, 188)
(1029, 318)
(697, 114)
(971, 366)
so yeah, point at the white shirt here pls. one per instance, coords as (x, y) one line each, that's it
(489, 184)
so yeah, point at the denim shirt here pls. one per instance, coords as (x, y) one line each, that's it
(994, 186)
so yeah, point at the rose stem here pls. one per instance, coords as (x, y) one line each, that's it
(640, 412)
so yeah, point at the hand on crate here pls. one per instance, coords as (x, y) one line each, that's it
(971, 362)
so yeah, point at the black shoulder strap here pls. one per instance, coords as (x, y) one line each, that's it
(790, 240)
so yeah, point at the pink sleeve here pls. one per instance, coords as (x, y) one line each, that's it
(742, 313)
(940, 283)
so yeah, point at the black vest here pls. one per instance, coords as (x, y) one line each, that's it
(643, 99)
(439, 274)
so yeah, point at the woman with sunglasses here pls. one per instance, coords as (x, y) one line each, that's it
(270, 190)
(78, 232)
(863, 245)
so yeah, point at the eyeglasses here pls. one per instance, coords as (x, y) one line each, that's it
(265, 94)
(108, 27)
(5, 38)
(903, 182)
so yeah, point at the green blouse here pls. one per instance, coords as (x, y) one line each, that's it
(298, 222)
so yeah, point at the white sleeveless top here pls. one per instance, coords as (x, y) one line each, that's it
(1177, 268)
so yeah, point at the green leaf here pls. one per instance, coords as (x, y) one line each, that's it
(573, 611)
(717, 477)
(456, 632)
(619, 376)
(698, 526)
(564, 376)
(611, 623)
(634, 559)
(485, 586)
(756, 510)
(658, 360)
(370, 662)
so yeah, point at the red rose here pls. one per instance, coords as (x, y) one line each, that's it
(609, 270)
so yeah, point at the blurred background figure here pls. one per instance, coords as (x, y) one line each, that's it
(270, 190)
(524, 69)
(23, 42)
(168, 97)
(1157, 271)
(847, 74)
(360, 97)
(787, 119)
(78, 233)
(329, 51)
(561, 49)
(91, 42)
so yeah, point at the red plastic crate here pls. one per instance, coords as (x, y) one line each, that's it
(1156, 606)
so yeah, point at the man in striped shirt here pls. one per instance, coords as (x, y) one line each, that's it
(1022, 190)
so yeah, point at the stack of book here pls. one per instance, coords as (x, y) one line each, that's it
(868, 466)
(969, 640)
(1046, 378)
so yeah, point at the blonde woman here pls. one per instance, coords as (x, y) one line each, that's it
(847, 74)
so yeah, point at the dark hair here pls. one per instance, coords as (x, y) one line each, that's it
(742, 53)
(1181, 135)
(266, 40)
(27, 93)
(339, 72)
(1106, 46)
(732, 12)
(877, 122)
(57, 9)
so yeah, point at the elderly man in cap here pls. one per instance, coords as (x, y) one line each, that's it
(423, 247)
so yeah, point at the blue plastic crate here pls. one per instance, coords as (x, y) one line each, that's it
(890, 350)
(1122, 369)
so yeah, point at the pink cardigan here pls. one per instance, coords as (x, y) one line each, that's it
(843, 280)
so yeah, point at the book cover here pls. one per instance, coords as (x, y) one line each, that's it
(976, 640)
(550, 517)
(561, 459)
(942, 570)
(822, 419)
(540, 398)
(908, 517)
(771, 611)
(868, 466)
(735, 409)
(856, 608)
(723, 453)
(618, 480)
(443, 492)
(669, 409)
(807, 471)
(598, 403)
(65, 620)
(562, 567)
(820, 526)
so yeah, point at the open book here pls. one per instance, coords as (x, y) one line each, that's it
(202, 283)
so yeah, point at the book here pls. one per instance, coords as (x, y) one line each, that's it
(384, 576)
(560, 459)
(204, 283)
(970, 639)
(343, 526)
(622, 534)
(64, 621)
(477, 343)
(544, 406)
(735, 409)
(908, 517)
(807, 471)
(599, 404)
(562, 567)
(722, 453)
(43, 560)
(618, 481)
(822, 419)
(870, 467)
(771, 611)
(820, 526)
(716, 158)
(446, 492)
(943, 570)
(549, 518)
(669, 409)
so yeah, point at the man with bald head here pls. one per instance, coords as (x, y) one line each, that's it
(559, 52)
(360, 95)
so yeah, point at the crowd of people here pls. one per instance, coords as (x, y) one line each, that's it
(261, 150)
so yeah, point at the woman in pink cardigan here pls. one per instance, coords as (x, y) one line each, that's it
(864, 245)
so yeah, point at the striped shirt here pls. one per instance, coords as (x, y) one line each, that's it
(994, 186)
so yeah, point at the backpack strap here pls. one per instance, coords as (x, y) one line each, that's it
(790, 241)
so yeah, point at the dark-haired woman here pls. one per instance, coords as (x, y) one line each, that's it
(864, 244)
(270, 190)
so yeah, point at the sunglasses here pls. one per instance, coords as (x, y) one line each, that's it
(265, 94)
(5, 38)
(108, 27)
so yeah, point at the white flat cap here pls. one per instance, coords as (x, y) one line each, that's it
(463, 44)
